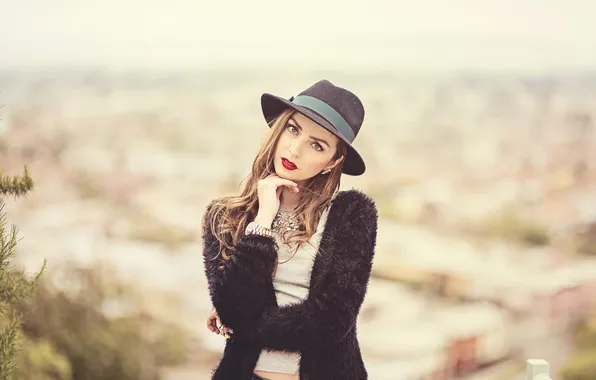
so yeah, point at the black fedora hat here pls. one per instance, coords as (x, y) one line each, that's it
(334, 108)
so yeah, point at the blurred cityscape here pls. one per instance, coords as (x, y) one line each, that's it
(486, 186)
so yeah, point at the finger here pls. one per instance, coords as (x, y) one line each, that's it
(295, 188)
(276, 180)
(285, 182)
(212, 327)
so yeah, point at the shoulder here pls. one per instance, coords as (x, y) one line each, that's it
(208, 209)
(211, 212)
(210, 205)
(353, 202)
(355, 223)
(354, 210)
(217, 204)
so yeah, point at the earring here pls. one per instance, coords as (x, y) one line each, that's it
(325, 171)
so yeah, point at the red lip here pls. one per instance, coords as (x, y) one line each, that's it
(288, 164)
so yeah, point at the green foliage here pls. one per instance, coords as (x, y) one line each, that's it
(534, 235)
(46, 334)
(387, 208)
(585, 335)
(15, 287)
(86, 185)
(41, 361)
(97, 347)
(17, 185)
(583, 365)
(151, 231)
(510, 372)
(146, 228)
(10, 346)
(585, 240)
(580, 367)
(509, 225)
(588, 249)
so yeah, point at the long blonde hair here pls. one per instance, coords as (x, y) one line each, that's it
(229, 216)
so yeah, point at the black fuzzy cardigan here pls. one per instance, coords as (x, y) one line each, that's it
(322, 328)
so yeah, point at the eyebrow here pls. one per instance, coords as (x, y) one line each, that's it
(312, 137)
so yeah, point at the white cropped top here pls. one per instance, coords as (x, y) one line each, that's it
(291, 283)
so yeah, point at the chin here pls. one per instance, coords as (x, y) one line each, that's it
(286, 174)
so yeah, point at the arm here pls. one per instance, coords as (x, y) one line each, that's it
(329, 315)
(240, 287)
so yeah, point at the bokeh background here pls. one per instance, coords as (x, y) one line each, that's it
(480, 148)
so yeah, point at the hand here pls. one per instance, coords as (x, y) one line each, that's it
(214, 324)
(269, 190)
(213, 321)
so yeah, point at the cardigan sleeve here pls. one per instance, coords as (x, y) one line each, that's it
(329, 315)
(239, 287)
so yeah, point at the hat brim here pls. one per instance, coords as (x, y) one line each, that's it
(273, 105)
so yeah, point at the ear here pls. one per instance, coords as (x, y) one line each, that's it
(334, 163)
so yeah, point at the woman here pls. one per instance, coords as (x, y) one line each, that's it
(288, 261)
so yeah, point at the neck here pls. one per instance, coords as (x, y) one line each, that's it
(288, 199)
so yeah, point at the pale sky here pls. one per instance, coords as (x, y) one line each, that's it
(526, 34)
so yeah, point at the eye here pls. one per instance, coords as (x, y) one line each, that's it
(318, 147)
(292, 129)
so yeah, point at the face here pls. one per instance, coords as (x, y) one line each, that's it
(304, 149)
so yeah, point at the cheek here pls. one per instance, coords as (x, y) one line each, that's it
(283, 142)
(318, 161)
(279, 146)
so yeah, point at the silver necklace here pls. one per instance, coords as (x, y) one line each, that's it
(284, 221)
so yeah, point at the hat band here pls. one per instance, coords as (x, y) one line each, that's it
(327, 112)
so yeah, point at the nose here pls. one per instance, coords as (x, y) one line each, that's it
(294, 148)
